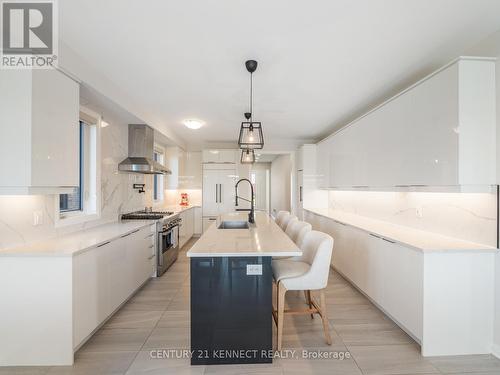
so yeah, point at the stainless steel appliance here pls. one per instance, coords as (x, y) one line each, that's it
(140, 152)
(167, 235)
(168, 245)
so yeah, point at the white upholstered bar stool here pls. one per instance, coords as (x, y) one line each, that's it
(286, 220)
(297, 230)
(307, 272)
(280, 216)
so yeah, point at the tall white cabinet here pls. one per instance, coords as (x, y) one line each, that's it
(218, 190)
(441, 131)
(39, 136)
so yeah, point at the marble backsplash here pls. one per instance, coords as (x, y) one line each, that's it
(117, 196)
(468, 216)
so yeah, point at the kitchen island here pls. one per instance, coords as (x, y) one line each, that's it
(231, 289)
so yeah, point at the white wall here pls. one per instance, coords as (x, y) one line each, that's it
(262, 185)
(281, 169)
(496, 338)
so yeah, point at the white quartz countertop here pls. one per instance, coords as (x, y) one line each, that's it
(265, 238)
(414, 238)
(78, 242)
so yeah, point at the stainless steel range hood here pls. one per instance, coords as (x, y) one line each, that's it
(141, 152)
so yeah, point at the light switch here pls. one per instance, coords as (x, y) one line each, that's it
(254, 269)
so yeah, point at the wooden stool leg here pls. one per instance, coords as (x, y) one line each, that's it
(281, 313)
(309, 301)
(324, 317)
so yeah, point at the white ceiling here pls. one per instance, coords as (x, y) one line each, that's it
(321, 62)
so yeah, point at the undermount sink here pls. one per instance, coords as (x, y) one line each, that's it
(236, 224)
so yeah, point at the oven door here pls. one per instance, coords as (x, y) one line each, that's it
(168, 248)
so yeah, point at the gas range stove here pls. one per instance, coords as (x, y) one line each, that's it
(146, 215)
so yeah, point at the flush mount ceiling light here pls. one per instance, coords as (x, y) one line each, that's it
(247, 156)
(251, 136)
(193, 124)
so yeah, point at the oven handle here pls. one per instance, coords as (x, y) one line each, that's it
(169, 229)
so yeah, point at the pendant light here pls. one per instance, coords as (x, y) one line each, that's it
(247, 156)
(251, 136)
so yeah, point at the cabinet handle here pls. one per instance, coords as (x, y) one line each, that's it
(151, 257)
(150, 246)
(212, 219)
(390, 241)
(128, 234)
(374, 235)
(104, 244)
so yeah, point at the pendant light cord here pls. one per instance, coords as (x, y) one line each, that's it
(251, 96)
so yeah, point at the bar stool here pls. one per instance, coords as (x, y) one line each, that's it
(297, 230)
(307, 272)
(280, 216)
(286, 219)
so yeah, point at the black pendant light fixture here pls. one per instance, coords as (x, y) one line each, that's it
(251, 136)
(247, 156)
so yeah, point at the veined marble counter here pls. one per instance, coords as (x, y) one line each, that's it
(264, 238)
(78, 242)
(414, 238)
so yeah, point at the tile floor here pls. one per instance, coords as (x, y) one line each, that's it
(157, 317)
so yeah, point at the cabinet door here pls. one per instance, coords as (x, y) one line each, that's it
(189, 223)
(183, 229)
(90, 292)
(208, 221)
(193, 171)
(323, 164)
(121, 280)
(300, 194)
(210, 192)
(198, 223)
(227, 194)
(55, 117)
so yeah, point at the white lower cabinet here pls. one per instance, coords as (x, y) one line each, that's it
(207, 221)
(444, 299)
(198, 222)
(106, 276)
(186, 231)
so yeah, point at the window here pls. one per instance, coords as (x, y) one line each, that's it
(72, 202)
(82, 204)
(158, 179)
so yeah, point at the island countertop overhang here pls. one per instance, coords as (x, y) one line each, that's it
(265, 238)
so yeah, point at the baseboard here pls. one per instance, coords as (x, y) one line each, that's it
(495, 350)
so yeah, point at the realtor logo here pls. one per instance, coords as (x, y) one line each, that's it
(29, 37)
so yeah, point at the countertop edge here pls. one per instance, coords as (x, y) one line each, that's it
(18, 252)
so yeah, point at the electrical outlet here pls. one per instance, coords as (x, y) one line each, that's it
(37, 218)
(419, 211)
(254, 269)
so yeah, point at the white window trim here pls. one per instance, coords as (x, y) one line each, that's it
(79, 217)
(160, 150)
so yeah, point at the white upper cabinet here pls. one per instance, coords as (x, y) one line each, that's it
(191, 173)
(438, 132)
(220, 156)
(39, 132)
